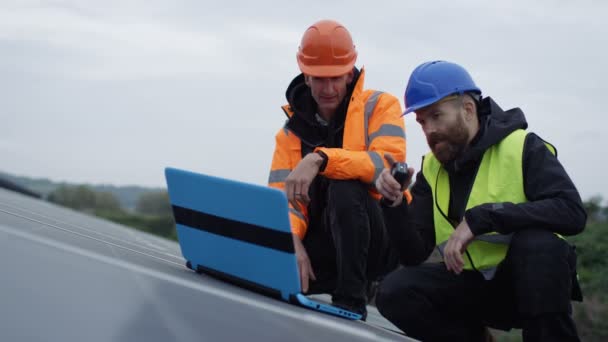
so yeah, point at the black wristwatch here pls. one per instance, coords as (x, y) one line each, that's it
(325, 159)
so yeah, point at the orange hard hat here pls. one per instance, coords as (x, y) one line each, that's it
(326, 50)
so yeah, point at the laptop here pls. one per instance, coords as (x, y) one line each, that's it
(239, 232)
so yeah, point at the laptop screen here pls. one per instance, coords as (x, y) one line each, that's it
(239, 229)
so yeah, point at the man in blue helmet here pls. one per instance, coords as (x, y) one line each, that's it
(495, 201)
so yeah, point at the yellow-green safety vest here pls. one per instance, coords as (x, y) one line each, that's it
(499, 179)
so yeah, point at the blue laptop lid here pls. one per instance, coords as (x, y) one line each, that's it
(239, 229)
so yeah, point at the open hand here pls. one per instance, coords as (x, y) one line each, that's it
(456, 246)
(304, 265)
(299, 180)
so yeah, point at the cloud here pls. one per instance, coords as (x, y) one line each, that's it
(106, 47)
(113, 91)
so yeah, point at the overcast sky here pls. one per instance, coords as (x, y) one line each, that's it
(113, 91)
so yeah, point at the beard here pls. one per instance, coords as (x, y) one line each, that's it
(448, 146)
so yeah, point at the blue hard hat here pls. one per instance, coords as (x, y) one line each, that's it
(432, 81)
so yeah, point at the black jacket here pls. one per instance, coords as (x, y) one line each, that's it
(553, 201)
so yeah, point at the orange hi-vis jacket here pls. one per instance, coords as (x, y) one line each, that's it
(373, 126)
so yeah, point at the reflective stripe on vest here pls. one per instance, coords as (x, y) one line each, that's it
(370, 105)
(499, 179)
(386, 130)
(378, 164)
(277, 176)
(299, 214)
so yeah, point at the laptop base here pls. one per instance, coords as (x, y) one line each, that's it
(263, 290)
(297, 299)
(323, 307)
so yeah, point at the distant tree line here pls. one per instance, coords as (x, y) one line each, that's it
(152, 212)
(83, 198)
(595, 211)
(591, 316)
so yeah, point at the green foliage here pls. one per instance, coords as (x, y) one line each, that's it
(163, 225)
(592, 314)
(591, 247)
(126, 195)
(594, 209)
(41, 186)
(157, 220)
(82, 197)
(154, 203)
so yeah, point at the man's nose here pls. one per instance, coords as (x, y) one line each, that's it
(327, 87)
(428, 129)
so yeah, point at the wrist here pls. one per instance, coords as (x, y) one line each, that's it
(472, 223)
(321, 160)
(390, 204)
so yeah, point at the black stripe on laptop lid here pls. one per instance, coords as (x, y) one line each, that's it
(247, 232)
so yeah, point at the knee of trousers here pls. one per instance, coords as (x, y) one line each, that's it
(542, 274)
(397, 299)
(534, 242)
(345, 195)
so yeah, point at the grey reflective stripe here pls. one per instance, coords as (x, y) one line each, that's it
(297, 213)
(491, 238)
(495, 238)
(278, 175)
(441, 247)
(499, 239)
(370, 105)
(488, 273)
(378, 164)
(387, 130)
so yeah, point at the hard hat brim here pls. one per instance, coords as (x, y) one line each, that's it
(326, 70)
(431, 101)
(419, 105)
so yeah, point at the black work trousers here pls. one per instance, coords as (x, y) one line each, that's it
(531, 290)
(348, 244)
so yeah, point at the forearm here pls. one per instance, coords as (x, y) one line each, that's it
(413, 242)
(553, 201)
(280, 169)
(558, 215)
(410, 226)
(345, 164)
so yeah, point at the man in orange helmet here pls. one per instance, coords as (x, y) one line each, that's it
(327, 158)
